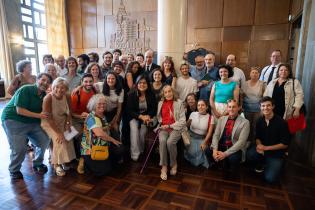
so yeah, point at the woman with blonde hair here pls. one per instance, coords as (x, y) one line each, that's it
(172, 120)
(56, 106)
(252, 92)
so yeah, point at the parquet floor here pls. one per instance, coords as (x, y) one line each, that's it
(125, 188)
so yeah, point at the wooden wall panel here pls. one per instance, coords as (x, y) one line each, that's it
(271, 32)
(89, 26)
(240, 49)
(238, 13)
(75, 26)
(271, 11)
(241, 33)
(296, 7)
(205, 13)
(208, 35)
(260, 51)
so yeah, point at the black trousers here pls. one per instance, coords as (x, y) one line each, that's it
(103, 167)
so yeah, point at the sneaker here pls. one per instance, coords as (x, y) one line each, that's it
(41, 169)
(16, 175)
(259, 169)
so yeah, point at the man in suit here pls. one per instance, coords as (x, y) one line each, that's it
(229, 139)
(149, 65)
(270, 72)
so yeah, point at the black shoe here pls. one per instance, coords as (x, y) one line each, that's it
(16, 175)
(259, 169)
(41, 169)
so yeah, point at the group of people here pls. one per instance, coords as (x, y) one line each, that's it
(226, 119)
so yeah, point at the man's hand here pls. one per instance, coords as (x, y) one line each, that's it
(260, 148)
(43, 115)
(220, 155)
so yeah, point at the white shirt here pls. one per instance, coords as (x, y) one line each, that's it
(238, 76)
(199, 123)
(186, 86)
(61, 72)
(266, 72)
(113, 100)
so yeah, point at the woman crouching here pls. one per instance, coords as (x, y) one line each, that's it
(56, 105)
(96, 133)
(171, 116)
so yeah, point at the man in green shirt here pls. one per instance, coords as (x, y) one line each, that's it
(21, 121)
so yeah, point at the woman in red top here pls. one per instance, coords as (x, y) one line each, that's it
(171, 116)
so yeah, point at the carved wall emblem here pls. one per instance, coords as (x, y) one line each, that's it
(130, 33)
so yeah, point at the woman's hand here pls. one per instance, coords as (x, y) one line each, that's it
(60, 138)
(217, 114)
(117, 143)
(203, 146)
(296, 113)
(84, 115)
(68, 126)
(164, 127)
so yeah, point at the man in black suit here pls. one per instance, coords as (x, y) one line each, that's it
(149, 66)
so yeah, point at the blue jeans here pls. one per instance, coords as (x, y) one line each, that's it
(272, 165)
(17, 134)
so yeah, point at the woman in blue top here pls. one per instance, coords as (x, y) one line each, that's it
(222, 91)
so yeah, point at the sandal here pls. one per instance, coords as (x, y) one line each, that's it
(163, 174)
(173, 171)
(80, 168)
(59, 171)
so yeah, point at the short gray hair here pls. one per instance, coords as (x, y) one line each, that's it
(60, 80)
(49, 65)
(21, 65)
(91, 106)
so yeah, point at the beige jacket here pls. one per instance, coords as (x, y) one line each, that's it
(239, 134)
(290, 101)
(179, 113)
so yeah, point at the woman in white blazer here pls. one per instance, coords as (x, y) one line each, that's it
(287, 93)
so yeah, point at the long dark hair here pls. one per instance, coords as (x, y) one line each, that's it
(118, 85)
(139, 78)
(130, 65)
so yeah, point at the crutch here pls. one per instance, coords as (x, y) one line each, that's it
(148, 155)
